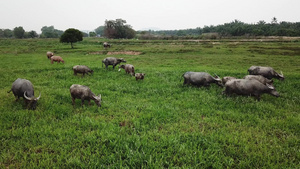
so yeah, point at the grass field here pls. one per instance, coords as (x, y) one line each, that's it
(155, 123)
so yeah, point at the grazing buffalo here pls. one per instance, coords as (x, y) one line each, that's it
(57, 59)
(267, 72)
(84, 93)
(112, 61)
(139, 76)
(129, 69)
(200, 79)
(106, 45)
(49, 55)
(260, 78)
(24, 88)
(249, 88)
(226, 79)
(82, 69)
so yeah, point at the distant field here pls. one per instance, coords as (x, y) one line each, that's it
(155, 123)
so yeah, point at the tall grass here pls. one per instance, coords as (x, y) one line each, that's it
(154, 123)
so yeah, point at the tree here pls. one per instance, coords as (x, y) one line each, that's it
(32, 34)
(8, 33)
(100, 30)
(50, 32)
(92, 34)
(117, 29)
(274, 20)
(19, 32)
(71, 36)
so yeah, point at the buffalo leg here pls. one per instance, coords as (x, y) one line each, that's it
(82, 102)
(73, 101)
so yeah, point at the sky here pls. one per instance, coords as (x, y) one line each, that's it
(142, 14)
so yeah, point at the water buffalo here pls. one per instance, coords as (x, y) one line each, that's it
(112, 61)
(139, 76)
(106, 45)
(226, 79)
(82, 69)
(200, 79)
(49, 54)
(24, 88)
(260, 78)
(129, 69)
(57, 59)
(267, 72)
(249, 88)
(84, 93)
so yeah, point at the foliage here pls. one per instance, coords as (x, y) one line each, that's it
(234, 28)
(32, 34)
(100, 30)
(84, 34)
(71, 36)
(50, 32)
(19, 32)
(6, 33)
(154, 123)
(118, 29)
(92, 34)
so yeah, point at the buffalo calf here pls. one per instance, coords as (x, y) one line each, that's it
(139, 76)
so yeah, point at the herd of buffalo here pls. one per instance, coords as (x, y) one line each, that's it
(258, 82)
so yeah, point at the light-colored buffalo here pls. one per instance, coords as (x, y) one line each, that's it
(139, 76)
(129, 69)
(260, 78)
(106, 45)
(82, 69)
(225, 79)
(84, 93)
(267, 72)
(49, 54)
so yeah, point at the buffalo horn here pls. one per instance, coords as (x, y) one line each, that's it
(216, 75)
(269, 86)
(26, 96)
(38, 97)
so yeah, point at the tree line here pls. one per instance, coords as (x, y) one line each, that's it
(118, 29)
(232, 29)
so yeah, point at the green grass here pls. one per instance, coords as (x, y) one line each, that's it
(155, 123)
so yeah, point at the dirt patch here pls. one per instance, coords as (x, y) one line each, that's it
(96, 53)
(124, 53)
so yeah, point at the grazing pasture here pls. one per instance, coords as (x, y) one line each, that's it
(154, 123)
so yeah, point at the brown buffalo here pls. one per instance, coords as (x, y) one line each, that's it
(57, 59)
